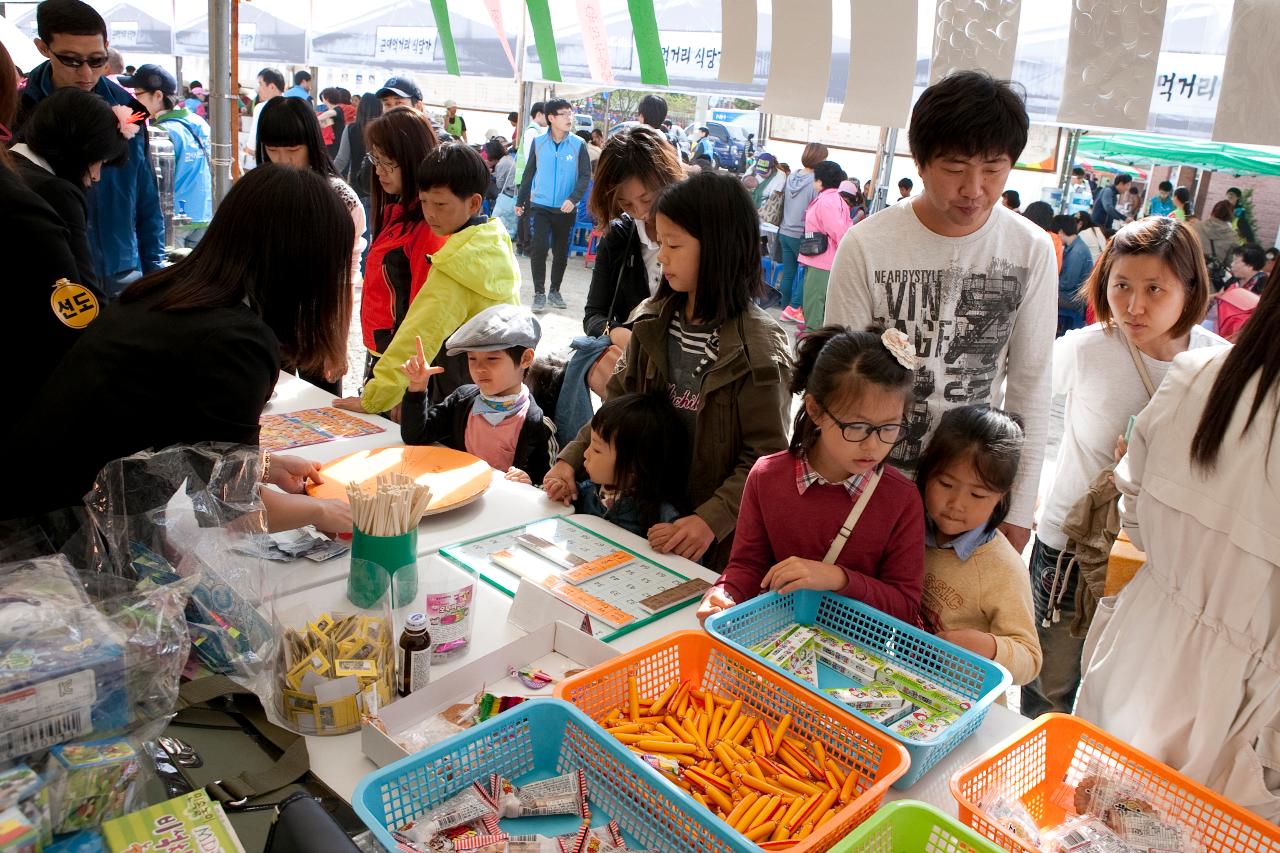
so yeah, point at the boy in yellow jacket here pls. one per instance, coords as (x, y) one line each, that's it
(474, 270)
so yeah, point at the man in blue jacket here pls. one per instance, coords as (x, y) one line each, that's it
(189, 134)
(126, 229)
(1077, 263)
(556, 176)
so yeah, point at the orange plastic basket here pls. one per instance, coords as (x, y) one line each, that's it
(1043, 763)
(874, 758)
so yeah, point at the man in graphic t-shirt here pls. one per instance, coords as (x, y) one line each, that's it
(972, 283)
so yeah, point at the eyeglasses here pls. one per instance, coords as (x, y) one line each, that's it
(379, 163)
(856, 432)
(96, 61)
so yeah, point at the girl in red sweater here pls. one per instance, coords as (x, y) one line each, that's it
(827, 513)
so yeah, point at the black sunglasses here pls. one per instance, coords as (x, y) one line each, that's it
(96, 61)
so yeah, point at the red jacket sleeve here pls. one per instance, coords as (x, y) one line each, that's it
(897, 587)
(752, 554)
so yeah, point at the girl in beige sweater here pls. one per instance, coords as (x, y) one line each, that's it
(976, 590)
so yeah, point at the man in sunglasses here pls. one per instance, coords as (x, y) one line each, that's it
(126, 229)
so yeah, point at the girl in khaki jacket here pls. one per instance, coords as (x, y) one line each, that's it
(724, 361)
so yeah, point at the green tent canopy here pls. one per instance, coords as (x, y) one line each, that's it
(1145, 149)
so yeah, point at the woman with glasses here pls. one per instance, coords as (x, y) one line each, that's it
(289, 135)
(399, 257)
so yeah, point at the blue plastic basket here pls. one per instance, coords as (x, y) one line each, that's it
(977, 679)
(537, 740)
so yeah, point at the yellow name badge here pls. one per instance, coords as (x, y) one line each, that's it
(73, 304)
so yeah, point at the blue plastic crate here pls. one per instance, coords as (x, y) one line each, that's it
(537, 740)
(976, 678)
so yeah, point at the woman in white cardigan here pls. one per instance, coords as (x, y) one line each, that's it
(1186, 665)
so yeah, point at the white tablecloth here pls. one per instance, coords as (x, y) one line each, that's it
(339, 762)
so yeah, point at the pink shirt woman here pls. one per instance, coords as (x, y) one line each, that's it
(827, 214)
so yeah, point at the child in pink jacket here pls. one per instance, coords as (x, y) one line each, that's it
(828, 215)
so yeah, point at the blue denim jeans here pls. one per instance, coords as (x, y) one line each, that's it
(792, 290)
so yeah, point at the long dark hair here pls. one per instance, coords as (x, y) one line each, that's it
(300, 287)
(8, 97)
(291, 121)
(990, 439)
(717, 211)
(651, 447)
(71, 130)
(1257, 351)
(835, 363)
(404, 135)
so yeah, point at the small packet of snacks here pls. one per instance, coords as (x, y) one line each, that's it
(1127, 811)
(559, 795)
(1007, 812)
(472, 804)
(335, 669)
(1082, 834)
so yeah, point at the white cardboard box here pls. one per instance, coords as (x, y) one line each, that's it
(554, 648)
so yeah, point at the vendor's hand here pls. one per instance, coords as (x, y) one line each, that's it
(418, 370)
(292, 473)
(797, 573)
(713, 602)
(1018, 536)
(351, 404)
(687, 537)
(332, 516)
(559, 483)
(978, 642)
(515, 475)
(1122, 447)
(567, 207)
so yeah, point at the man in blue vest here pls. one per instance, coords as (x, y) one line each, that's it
(126, 229)
(555, 179)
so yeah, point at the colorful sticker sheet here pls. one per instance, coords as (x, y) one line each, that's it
(310, 426)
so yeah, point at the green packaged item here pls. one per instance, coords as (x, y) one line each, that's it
(17, 835)
(93, 782)
(189, 822)
(921, 691)
(766, 646)
(23, 789)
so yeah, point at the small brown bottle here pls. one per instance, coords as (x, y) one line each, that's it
(414, 657)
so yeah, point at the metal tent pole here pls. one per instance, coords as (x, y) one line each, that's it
(220, 95)
(1064, 173)
(884, 167)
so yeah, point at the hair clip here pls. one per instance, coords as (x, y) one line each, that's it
(130, 121)
(5, 134)
(899, 345)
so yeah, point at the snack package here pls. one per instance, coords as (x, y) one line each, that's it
(1083, 834)
(23, 789)
(766, 646)
(804, 664)
(1128, 811)
(848, 658)
(888, 716)
(875, 697)
(185, 819)
(93, 782)
(565, 794)
(1008, 812)
(790, 645)
(924, 692)
(471, 804)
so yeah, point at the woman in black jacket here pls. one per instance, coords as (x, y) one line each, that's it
(34, 237)
(634, 168)
(60, 154)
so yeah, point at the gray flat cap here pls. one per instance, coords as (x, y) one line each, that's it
(495, 328)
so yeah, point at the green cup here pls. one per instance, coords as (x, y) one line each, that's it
(381, 561)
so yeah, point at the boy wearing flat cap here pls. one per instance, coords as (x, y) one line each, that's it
(496, 418)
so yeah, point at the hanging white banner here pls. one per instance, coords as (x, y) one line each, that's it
(1112, 54)
(885, 35)
(1249, 105)
(969, 36)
